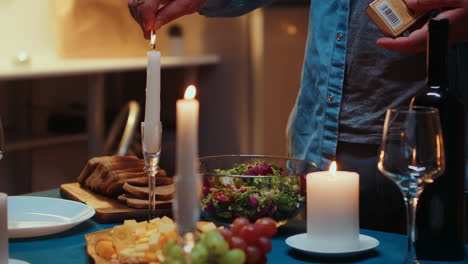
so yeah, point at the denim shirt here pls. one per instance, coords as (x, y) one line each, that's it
(328, 102)
(313, 126)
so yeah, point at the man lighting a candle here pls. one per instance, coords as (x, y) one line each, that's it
(348, 82)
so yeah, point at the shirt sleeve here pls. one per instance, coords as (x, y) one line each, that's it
(230, 8)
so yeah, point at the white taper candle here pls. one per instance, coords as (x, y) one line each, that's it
(187, 194)
(153, 101)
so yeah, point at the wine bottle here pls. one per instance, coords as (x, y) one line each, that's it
(440, 213)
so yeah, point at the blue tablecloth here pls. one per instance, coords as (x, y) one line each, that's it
(70, 246)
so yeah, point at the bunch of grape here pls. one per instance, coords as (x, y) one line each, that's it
(253, 239)
(243, 243)
(211, 248)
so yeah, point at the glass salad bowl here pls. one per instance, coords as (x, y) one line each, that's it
(253, 186)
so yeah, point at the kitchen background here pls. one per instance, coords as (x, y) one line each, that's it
(68, 67)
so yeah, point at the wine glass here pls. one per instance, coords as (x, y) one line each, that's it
(151, 143)
(412, 155)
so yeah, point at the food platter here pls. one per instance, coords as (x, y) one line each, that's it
(132, 241)
(91, 241)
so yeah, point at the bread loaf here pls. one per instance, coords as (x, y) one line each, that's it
(161, 179)
(134, 202)
(101, 172)
(163, 193)
(109, 174)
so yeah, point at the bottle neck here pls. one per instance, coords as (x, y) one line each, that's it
(437, 54)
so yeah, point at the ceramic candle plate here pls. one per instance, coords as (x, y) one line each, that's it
(300, 242)
(30, 216)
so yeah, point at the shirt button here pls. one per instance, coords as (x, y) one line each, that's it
(330, 98)
(339, 37)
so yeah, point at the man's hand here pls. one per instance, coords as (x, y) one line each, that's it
(454, 10)
(151, 16)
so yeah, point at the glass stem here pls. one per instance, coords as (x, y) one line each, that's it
(411, 205)
(188, 243)
(152, 192)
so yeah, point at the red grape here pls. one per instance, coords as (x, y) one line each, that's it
(263, 260)
(264, 244)
(237, 225)
(254, 255)
(226, 233)
(265, 227)
(249, 234)
(237, 242)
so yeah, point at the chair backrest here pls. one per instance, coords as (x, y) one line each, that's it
(125, 124)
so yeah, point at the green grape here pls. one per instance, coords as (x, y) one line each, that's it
(208, 236)
(203, 238)
(176, 253)
(215, 244)
(235, 256)
(169, 245)
(199, 254)
(173, 253)
(172, 261)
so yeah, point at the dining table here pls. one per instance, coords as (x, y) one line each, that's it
(69, 247)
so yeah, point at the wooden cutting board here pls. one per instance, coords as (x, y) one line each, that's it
(107, 210)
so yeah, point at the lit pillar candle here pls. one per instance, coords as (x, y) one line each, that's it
(333, 209)
(187, 190)
(153, 102)
(3, 229)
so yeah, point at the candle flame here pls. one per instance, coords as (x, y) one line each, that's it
(332, 169)
(190, 92)
(414, 158)
(153, 39)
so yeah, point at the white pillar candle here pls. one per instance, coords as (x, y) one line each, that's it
(187, 190)
(153, 101)
(3, 228)
(333, 210)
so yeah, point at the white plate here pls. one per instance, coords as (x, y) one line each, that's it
(302, 243)
(17, 261)
(30, 216)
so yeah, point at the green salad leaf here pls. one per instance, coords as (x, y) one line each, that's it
(226, 197)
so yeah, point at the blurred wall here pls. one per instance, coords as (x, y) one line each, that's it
(25, 26)
(278, 37)
(225, 89)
